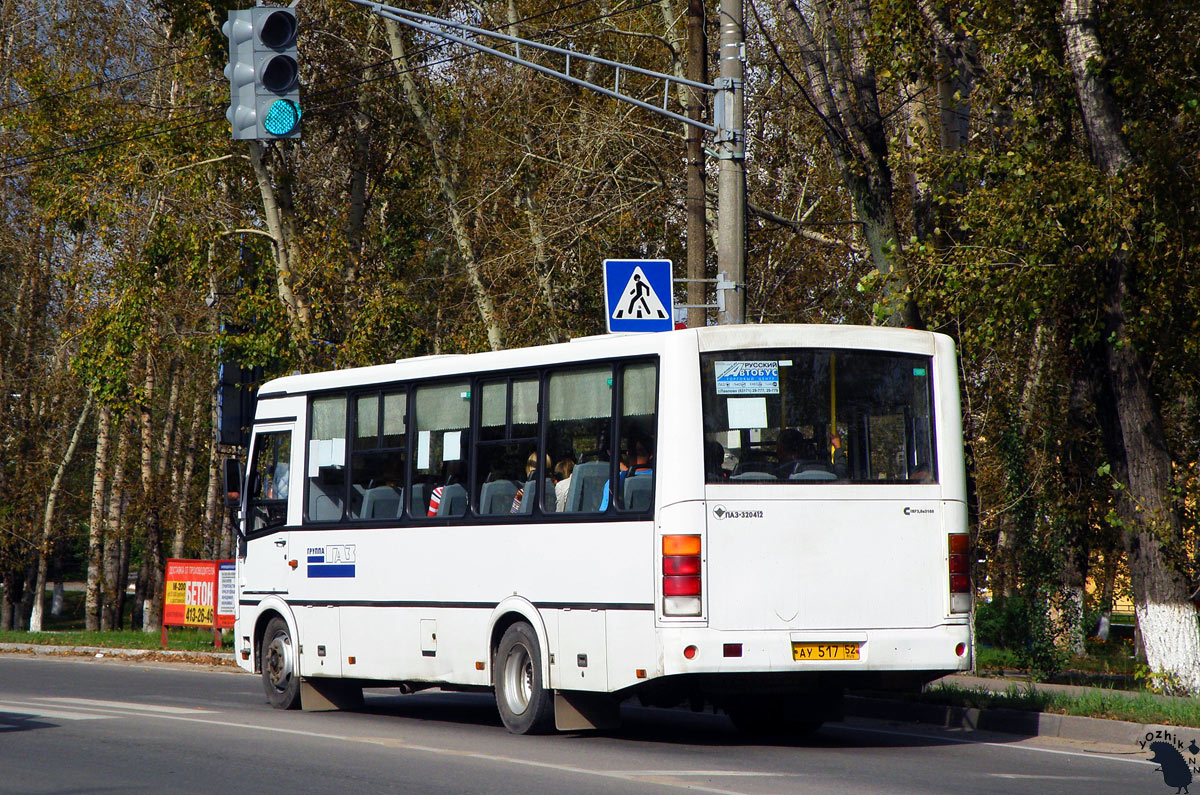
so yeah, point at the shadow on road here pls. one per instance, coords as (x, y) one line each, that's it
(21, 722)
(649, 725)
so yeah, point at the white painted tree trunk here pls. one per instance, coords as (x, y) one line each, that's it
(1171, 633)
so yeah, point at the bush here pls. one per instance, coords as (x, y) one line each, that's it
(1003, 623)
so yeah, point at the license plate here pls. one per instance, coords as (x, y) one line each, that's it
(824, 651)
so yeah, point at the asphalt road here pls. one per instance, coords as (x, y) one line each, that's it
(89, 726)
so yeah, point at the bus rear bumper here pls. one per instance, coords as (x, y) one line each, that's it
(927, 652)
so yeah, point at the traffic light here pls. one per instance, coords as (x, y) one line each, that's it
(264, 76)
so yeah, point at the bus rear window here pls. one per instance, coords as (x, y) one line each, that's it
(817, 416)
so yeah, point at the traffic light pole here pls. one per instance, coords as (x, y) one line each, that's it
(728, 133)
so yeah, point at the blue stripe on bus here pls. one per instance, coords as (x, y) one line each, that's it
(331, 570)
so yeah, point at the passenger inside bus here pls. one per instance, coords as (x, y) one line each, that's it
(637, 461)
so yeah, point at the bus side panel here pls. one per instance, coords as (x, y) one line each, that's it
(581, 661)
(632, 647)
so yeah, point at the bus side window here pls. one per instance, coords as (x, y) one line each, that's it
(639, 386)
(442, 416)
(377, 456)
(578, 428)
(506, 453)
(326, 459)
(270, 473)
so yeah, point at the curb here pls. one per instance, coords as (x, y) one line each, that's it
(1009, 721)
(162, 655)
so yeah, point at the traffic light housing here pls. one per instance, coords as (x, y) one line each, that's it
(264, 74)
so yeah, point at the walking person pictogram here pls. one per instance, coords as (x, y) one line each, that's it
(640, 291)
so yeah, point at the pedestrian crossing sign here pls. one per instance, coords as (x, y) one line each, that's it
(637, 295)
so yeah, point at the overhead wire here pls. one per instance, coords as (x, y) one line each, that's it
(17, 162)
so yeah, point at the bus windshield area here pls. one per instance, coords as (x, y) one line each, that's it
(806, 416)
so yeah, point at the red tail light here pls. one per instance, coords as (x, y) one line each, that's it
(681, 586)
(958, 570)
(681, 564)
(681, 568)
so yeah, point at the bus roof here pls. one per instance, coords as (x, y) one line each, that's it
(599, 347)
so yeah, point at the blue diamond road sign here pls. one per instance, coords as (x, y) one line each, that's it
(637, 295)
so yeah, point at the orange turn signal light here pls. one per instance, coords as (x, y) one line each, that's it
(681, 545)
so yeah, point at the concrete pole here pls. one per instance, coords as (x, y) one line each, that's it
(697, 69)
(731, 175)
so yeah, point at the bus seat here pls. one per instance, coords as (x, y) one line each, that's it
(754, 476)
(382, 502)
(587, 487)
(639, 491)
(816, 472)
(418, 501)
(325, 503)
(497, 496)
(529, 496)
(454, 500)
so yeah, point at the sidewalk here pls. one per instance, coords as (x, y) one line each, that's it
(104, 652)
(1009, 721)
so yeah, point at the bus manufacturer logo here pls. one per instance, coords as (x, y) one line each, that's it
(909, 511)
(331, 560)
(721, 512)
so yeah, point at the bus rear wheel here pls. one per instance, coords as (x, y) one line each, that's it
(526, 706)
(277, 659)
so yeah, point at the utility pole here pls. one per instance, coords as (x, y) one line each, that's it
(731, 175)
(697, 234)
(728, 136)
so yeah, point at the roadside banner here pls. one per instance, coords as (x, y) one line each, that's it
(199, 593)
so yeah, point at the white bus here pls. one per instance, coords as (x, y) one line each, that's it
(749, 517)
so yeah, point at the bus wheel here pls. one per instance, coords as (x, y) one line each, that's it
(525, 705)
(281, 680)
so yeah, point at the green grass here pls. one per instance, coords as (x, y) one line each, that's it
(178, 638)
(67, 629)
(1097, 703)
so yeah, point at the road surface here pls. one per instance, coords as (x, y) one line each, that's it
(96, 726)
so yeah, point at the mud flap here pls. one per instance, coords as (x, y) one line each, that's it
(327, 695)
(575, 710)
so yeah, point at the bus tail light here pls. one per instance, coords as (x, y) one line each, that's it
(681, 586)
(957, 570)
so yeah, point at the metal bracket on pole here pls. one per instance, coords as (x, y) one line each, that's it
(723, 284)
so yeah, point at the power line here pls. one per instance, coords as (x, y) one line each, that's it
(97, 84)
(17, 162)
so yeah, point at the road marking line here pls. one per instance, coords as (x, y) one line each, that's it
(122, 706)
(1048, 778)
(1014, 746)
(747, 773)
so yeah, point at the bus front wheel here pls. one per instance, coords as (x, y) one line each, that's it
(281, 680)
(526, 705)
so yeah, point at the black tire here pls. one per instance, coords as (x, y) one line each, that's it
(526, 706)
(277, 658)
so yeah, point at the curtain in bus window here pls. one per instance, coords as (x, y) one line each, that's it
(525, 408)
(327, 459)
(442, 414)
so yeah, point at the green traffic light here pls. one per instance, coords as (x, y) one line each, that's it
(282, 117)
